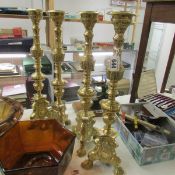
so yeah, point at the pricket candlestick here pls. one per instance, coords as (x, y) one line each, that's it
(105, 144)
(58, 57)
(85, 118)
(40, 105)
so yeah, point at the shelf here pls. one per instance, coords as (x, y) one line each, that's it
(45, 17)
(78, 20)
(17, 16)
(96, 50)
(14, 16)
(100, 22)
(82, 51)
(46, 49)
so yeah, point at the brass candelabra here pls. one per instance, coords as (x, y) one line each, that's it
(105, 144)
(40, 105)
(85, 118)
(59, 108)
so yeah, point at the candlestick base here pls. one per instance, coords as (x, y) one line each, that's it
(58, 113)
(85, 130)
(105, 152)
(40, 108)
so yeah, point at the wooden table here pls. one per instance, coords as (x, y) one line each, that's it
(156, 11)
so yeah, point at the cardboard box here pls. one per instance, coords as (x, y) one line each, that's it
(144, 155)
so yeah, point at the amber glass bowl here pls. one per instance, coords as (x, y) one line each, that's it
(41, 147)
(10, 112)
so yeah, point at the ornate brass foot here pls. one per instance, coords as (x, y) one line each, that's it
(119, 171)
(59, 108)
(58, 113)
(40, 105)
(84, 127)
(87, 164)
(85, 133)
(104, 151)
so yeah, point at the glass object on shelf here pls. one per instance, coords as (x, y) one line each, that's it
(72, 15)
(36, 147)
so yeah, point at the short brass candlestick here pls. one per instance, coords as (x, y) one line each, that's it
(105, 144)
(40, 105)
(58, 57)
(85, 118)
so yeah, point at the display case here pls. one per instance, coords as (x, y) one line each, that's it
(155, 12)
(15, 72)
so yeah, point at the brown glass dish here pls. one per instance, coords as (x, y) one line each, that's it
(41, 147)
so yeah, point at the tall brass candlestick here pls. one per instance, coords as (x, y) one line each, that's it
(58, 57)
(85, 118)
(105, 144)
(40, 105)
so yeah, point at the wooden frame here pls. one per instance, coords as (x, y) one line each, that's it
(156, 11)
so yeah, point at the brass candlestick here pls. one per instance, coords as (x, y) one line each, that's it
(40, 105)
(85, 118)
(58, 57)
(105, 144)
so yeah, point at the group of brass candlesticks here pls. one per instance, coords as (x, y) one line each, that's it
(105, 143)
(40, 106)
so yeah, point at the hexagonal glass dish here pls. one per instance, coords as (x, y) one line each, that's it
(36, 147)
